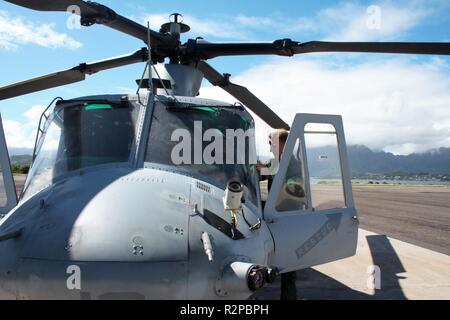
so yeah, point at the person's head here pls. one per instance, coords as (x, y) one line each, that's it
(278, 137)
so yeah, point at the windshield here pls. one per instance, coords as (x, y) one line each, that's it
(199, 141)
(81, 135)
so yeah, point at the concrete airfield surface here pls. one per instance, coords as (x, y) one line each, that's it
(409, 240)
(418, 215)
(406, 272)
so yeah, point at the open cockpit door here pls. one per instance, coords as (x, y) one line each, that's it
(8, 196)
(310, 209)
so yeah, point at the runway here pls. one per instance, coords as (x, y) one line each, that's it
(415, 214)
(19, 180)
(418, 215)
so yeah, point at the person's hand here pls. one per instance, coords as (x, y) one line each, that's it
(260, 165)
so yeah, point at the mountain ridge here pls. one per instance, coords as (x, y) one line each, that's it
(362, 161)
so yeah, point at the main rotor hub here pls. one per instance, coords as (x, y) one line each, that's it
(175, 27)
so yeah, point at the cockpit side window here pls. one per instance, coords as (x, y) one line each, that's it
(81, 135)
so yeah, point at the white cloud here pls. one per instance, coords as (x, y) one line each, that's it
(226, 29)
(23, 134)
(254, 21)
(345, 21)
(276, 24)
(126, 90)
(396, 104)
(15, 32)
(240, 27)
(353, 21)
(34, 113)
(380, 21)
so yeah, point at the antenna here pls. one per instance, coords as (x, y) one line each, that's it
(147, 66)
(149, 63)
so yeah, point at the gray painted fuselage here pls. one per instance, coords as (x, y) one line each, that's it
(137, 229)
(133, 229)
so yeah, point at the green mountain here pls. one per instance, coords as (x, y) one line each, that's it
(21, 160)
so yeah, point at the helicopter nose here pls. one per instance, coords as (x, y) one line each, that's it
(121, 230)
(113, 215)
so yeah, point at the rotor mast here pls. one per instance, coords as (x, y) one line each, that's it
(175, 27)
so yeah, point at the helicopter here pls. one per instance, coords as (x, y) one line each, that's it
(106, 212)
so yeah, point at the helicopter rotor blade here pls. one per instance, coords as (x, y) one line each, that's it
(73, 75)
(52, 5)
(242, 94)
(199, 49)
(439, 48)
(95, 13)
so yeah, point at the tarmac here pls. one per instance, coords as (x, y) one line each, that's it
(409, 240)
(406, 272)
(418, 215)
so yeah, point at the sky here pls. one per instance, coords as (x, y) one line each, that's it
(395, 103)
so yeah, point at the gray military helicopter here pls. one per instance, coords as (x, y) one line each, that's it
(105, 213)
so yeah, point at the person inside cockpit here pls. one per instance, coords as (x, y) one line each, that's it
(293, 186)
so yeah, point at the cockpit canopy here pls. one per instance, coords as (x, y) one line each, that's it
(214, 141)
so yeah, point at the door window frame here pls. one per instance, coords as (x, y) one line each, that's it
(297, 132)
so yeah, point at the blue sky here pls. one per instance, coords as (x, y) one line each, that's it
(34, 43)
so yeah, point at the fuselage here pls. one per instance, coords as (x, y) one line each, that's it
(125, 229)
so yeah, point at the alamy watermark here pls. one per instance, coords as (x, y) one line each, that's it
(73, 281)
(73, 21)
(373, 21)
(374, 279)
(230, 148)
(214, 146)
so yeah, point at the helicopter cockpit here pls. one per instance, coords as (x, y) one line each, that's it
(84, 133)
